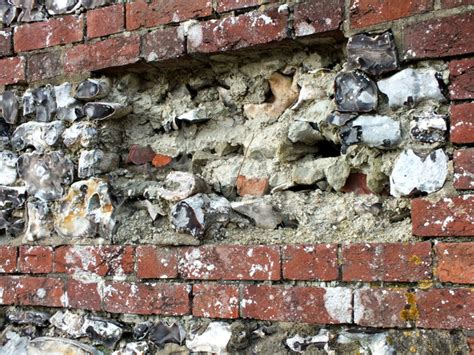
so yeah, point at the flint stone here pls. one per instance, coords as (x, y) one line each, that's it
(41, 102)
(429, 128)
(339, 118)
(197, 214)
(355, 92)
(69, 323)
(50, 345)
(410, 86)
(11, 199)
(31, 11)
(92, 4)
(103, 331)
(45, 174)
(304, 132)
(374, 55)
(299, 344)
(213, 340)
(161, 334)
(40, 135)
(9, 107)
(57, 7)
(95, 162)
(373, 131)
(261, 213)
(68, 108)
(8, 172)
(8, 12)
(135, 348)
(80, 134)
(180, 185)
(86, 210)
(93, 89)
(4, 134)
(105, 110)
(412, 172)
(40, 221)
(39, 319)
(141, 330)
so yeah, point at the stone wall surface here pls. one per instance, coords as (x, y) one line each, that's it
(241, 176)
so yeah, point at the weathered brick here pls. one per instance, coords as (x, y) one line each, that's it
(231, 33)
(462, 123)
(100, 260)
(228, 5)
(376, 307)
(365, 13)
(7, 289)
(441, 37)
(44, 66)
(163, 44)
(98, 27)
(446, 4)
(156, 263)
(139, 155)
(12, 70)
(464, 169)
(297, 304)
(357, 183)
(386, 262)
(146, 298)
(252, 186)
(216, 301)
(83, 295)
(6, 44)
(8, 257)
(446, 308)
(53, 32)
(462, 79)
(316, 16)
(113, 52)
(230, 262)
(35, 259)
(40, 291)
(310, 262)
(444, 218)
(455, 262)
(470, 344)
(141, 13)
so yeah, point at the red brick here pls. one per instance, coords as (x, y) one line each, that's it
(54, 32)
(386, 262)
(100, 260)
(252, 186)
(228, 5)
(447, 217)
(12, 70)
(455, 3)
(455, 262)
(357, 183)
(6, 44)
(139, 155)
(8, 259)
(442, 37)
(141, 13)
(375, 307)
(161, 160)
(83, 295)
(316, 16)
(156, 263)
(146, 298)
(462, 79)
(464, 169)
(40, 291)
(470, 344)
(36, 259)
(297, 304)
(105, 21)
(163, 44)
(365, 13)
(446, 308)
(44, 66)
(7, 289)
(232, 33)
(230, 262)
(462, 123)
(216, 301)
(310, 262)
(113, 52)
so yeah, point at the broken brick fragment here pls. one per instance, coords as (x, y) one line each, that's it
(252, 186)
(139, 155)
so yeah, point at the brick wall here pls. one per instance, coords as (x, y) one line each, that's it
(426, 283)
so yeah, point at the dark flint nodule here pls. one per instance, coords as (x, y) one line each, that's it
(9, 107)
(161, 334)
(39, 319)
(98, 111)
(340, 119)
(429, 128)
(141, 330)
(355, 92)
(374, 55)
(93, 89)
(11, 198)
(8, 12)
